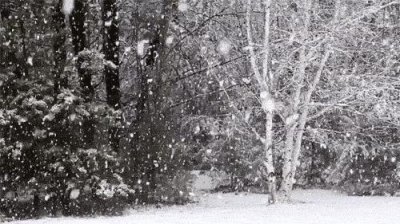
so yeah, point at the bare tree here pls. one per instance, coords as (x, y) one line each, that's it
(265, 83)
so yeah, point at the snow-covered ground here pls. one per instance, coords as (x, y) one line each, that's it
(313, 206)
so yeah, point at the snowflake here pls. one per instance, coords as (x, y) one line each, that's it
(68, 6)
(74, 194)
(224, 47)
(141, 47)
(169, 40)
(183, 6)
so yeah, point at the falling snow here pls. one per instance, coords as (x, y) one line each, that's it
(246, 80)
(224, 47)
(30, 61)
(183, 6)
(68, 6)
(141, 47)
(169, 40)
(179, 111)
(74, 194)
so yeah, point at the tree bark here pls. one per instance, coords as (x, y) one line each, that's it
(151, 125)
(287, 178)
(305, 111)
(78, 29)
(265, 83)
(289, 161)
(78, 19)
(60, 54)
(111, 69)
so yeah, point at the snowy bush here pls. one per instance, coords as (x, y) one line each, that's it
(175, 189)
(165, 180)
(43, 153)
(221, 146)
(373, 172)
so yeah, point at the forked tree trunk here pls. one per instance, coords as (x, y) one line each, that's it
(294, 137)
(288, 176)
(300, 110)
(265, 82)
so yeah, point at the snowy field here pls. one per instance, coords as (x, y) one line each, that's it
(313, 206)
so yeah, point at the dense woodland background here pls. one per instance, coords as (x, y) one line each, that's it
(109, 103)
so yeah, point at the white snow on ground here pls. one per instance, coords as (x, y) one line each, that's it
(313, 207)
(208, 180)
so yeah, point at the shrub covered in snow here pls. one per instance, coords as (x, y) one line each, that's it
(44, 165)
(373, 173)
(175, 189)
(221, 146)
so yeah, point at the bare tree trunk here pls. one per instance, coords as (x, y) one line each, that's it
(269, 108)
(265, 83)
(78, 29)
(60, 54)
(152, 126)
(23, 62)
(111, 55)
(269, 157)
(304, 114)
(78, 18)
(293, 120)
(287, 182)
